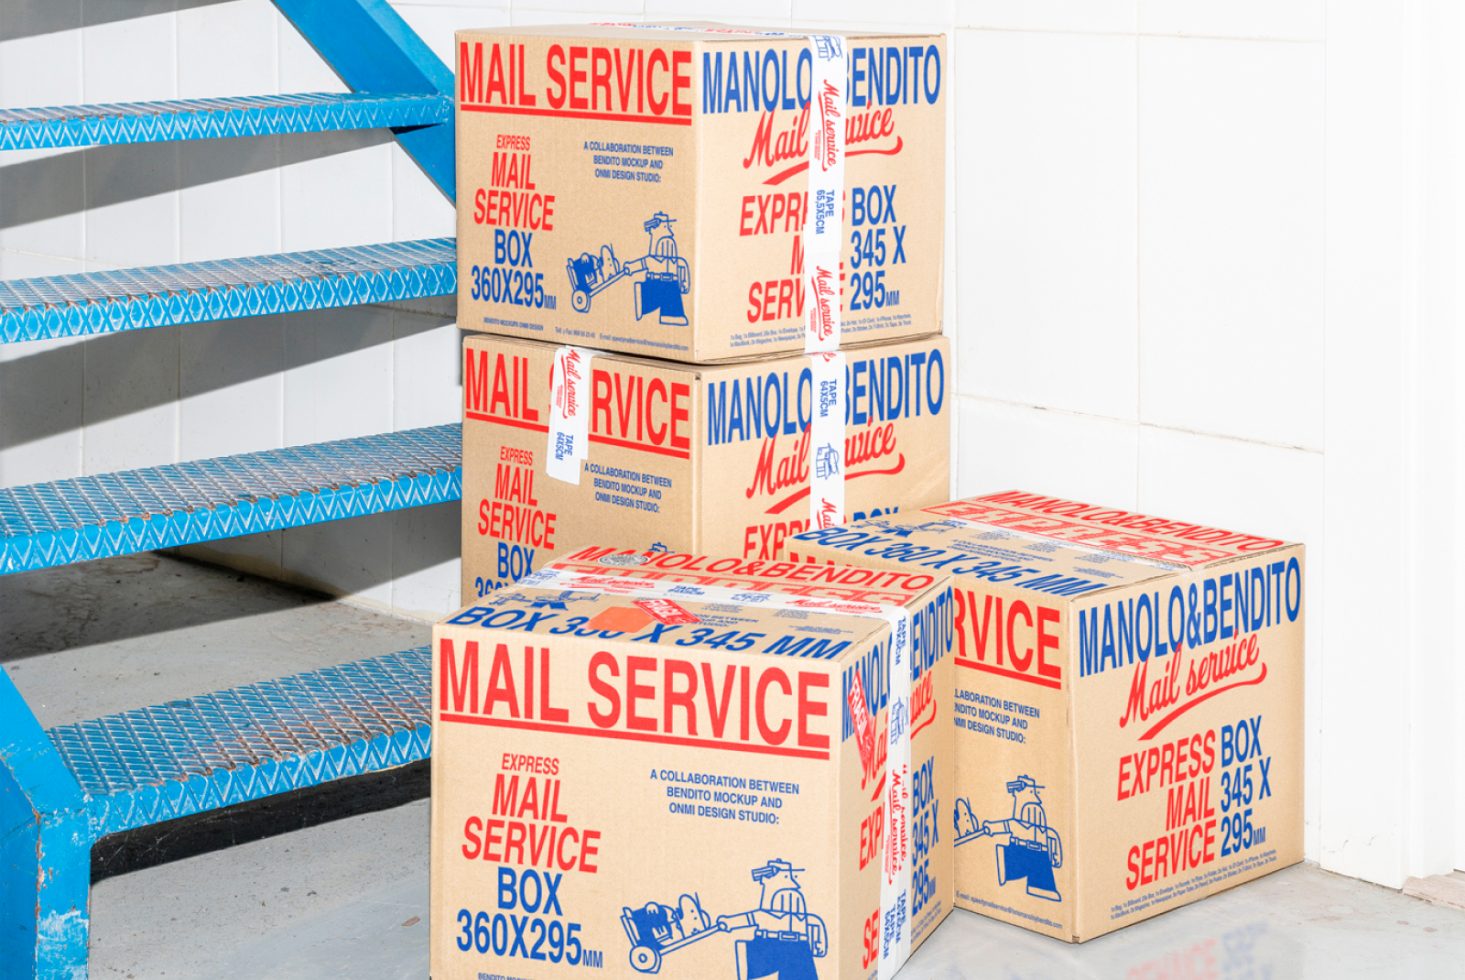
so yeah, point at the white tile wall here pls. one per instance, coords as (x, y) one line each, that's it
(1133, 269)
(1231, 242)
(1046, 219)
(1275, 19)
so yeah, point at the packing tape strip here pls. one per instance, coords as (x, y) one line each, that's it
(823, 237)
(569, 417)
(826, 441)
(895, 878)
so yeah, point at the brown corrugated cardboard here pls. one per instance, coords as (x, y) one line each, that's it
(644, 188)
(649, 763)
(1128, 703)
(711, 459)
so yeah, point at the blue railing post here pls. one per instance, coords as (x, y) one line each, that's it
(372, 49)
(45, 850)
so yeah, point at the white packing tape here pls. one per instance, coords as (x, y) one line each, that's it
(569, 415)
(895, 878)
(826, 441)
(823, 237)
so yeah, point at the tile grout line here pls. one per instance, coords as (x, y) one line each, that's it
(1155, 426)
(1138, 284)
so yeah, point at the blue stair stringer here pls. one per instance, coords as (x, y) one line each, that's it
(219, 118)
(47, 524)
(62, 790)
(197, 292)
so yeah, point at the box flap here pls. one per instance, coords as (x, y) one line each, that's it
(688, 602)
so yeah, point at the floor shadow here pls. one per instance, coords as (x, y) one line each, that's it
(56, 185)
(33, 18)
(175, 840)
(51, 369)
(47, 611)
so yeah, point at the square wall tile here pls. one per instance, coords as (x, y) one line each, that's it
(524, 11)
(426, 575)
(40, 32)
(41, 401)
(427, 387)
(231, 389)
(43, 205)
(1253, 489)
(1012, 447)
(1297, 19)
(131, 198)
(1231, 238)
(131, 407)
(436, 24)
(419, 209)
(251, 66)
(1076, 16)
(229, 198)
(1045, 217)
(912, 15)
(129, 50)
(755, 13)
(347, 558)
(338, 374)
(336, 190)
(611, 12)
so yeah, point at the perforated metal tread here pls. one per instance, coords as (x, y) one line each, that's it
(48, 524)
(193, 119)
(171, 760)
(195, 292)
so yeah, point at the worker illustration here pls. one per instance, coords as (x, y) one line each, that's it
(665, 275)
(786, 939)
(1032, 851)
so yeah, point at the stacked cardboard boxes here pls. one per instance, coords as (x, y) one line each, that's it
(703, 269)
(657, 225)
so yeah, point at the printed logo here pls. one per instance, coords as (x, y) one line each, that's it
(822, 310)
(667, 611)
(623, 560)
(567, 393)
(826, 140)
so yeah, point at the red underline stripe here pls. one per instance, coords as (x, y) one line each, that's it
(1015, 675)
(515, 110)
(603, 440)
(500, 420)
(702, 743)
(1195, 701)
(659, 450)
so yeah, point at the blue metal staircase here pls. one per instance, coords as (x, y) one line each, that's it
(63, 789)
(223, 289)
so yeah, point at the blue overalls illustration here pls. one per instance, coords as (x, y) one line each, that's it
(1032, 850)
(786, 938)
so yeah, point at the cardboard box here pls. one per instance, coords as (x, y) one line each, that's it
(649, 763)
(1128, 703)
(702, 459)
(644, 188)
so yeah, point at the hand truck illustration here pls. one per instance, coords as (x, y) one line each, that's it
(666, 275)
(656, 930)
(783, 937)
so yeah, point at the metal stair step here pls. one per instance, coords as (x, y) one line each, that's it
(194, 119)
(195, 292)
(48, 524)
(158, 763)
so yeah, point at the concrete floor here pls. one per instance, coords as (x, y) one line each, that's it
(348, 897)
